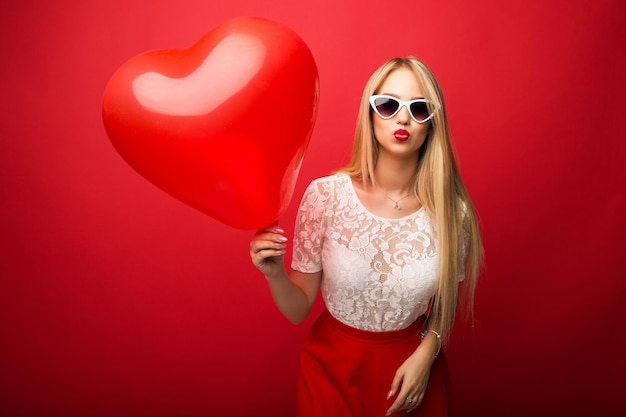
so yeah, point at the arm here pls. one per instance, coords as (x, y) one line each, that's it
(411, 378)
(293, 295)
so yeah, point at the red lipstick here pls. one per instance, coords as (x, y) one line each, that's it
(401, 135)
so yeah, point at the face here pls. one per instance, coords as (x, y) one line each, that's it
(400, 134)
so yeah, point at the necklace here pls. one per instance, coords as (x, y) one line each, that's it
(396, 205)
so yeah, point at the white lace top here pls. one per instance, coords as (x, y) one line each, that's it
(378, 274)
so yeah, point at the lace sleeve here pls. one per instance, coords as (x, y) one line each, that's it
(307, 241)
(465, 240)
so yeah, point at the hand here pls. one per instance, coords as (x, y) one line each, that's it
(267, 250)
(411, 379)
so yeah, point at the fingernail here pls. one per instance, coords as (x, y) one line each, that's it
(389, 395)
(282, 239)
(279, 230)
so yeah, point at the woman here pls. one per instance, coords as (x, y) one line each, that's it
(387, 239)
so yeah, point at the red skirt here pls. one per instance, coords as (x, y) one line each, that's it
(347, 372)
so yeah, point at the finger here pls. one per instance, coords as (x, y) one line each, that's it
(263, 238)
(396, 406)
(268, 250)
(274, 228)
(263, 254)
(268, 260)
(261, 244)
(268, 236)
(267, 241)
(395, 384)
(400, 403)
(413, 404)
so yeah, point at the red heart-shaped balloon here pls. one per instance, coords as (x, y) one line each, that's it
(222, 125)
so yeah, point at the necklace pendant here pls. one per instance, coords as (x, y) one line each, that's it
(397, 207)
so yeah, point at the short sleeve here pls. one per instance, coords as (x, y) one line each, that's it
(308, 231)
(465, 241)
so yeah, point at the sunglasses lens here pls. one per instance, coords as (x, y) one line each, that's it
(386, 106)
(420, 110)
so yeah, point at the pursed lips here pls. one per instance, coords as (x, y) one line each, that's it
(401, 135)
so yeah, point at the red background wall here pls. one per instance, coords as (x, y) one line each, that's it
(118, 300)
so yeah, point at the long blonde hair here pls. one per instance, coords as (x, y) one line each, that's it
(438, 186)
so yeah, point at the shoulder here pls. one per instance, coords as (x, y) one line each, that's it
(333, 179)
(329, 183)
(325, 193)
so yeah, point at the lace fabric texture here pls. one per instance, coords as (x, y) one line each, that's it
(378, 274)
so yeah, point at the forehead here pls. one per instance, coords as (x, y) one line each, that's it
(403, 84)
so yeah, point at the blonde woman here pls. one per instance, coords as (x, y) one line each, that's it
(387, 240)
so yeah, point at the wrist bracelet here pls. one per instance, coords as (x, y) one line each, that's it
(437, 335)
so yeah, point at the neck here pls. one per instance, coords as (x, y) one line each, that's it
(395, 175)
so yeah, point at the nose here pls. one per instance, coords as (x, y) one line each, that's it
(403, 116)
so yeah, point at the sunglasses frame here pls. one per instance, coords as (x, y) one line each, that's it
(402, 103)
